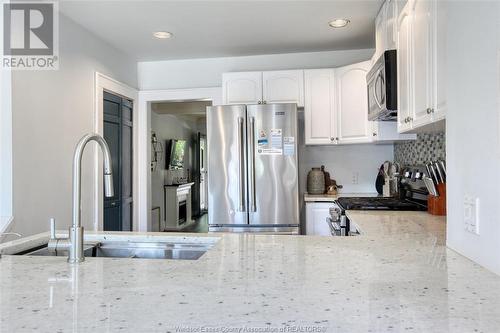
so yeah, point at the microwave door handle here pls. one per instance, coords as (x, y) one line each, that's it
(382, 84)
(251, 157)
(375, 93)
(241, 169)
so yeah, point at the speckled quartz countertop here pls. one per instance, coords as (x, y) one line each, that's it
(396, 277)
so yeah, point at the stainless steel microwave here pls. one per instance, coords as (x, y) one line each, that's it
(383, 88)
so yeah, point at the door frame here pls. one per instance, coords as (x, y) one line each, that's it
(204, 161)
(143, 129)
(103, 83)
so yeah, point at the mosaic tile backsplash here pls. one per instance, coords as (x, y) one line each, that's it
(427, 147)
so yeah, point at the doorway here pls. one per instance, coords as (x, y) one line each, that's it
(178, 171)
(117, 130)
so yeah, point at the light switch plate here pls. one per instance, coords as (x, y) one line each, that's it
(355, 178)
(471, 214)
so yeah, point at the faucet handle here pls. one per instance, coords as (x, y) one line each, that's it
(52, 228)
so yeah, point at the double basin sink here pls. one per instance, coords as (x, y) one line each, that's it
(142, 250)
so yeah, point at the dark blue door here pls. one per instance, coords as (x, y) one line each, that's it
(118, 134)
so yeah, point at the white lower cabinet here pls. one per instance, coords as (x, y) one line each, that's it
(316, 218)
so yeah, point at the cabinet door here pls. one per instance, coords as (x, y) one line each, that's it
(319, 109)
(422, 50)
(316, 215)
(439, 61)
(242, 88)
(352, 104)
(381, 32)
(283, 87)
(391, 13)
(404, 69)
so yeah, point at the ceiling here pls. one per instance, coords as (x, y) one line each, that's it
(204, 29)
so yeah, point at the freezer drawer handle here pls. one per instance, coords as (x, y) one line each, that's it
(241, 168)
(252, 165)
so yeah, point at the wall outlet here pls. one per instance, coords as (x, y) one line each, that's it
(355, 177)
(471, 214)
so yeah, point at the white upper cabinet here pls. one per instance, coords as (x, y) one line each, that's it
(283, 87)
(391, 14)
(422, 49)
(319, 109)
(242, 88)
(263, 87)
(336, 108)
(380, 32)
(421, 64)
(439, 54)
(352, 104)
(385, 28)
(404, 70)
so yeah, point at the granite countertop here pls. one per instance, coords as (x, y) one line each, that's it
(332, 197)
(397, 276)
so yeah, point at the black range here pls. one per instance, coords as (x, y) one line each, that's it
(380, 203)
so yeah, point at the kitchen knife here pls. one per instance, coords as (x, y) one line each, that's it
(443, 167)
(434, 174)
(429, 183)
(440, 172)
(429, 174)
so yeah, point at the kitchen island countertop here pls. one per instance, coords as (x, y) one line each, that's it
(397, 276)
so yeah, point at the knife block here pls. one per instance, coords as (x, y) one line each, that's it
(437, 205)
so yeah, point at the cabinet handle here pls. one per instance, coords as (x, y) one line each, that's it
(337, 139)
(259, 102)
(374, 134)
(264, 102)
(429, 110)
(332, 138)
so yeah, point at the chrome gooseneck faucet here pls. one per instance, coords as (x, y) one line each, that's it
(75, 242)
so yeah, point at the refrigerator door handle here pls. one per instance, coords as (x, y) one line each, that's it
(241, 168)
(251, 158)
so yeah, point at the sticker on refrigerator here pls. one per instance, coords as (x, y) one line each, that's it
(276, 138)
(289, 145)
(269, 146)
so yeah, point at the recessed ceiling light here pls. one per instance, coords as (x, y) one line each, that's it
(162, 34)
(339, 23)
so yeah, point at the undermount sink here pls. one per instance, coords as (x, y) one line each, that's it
(143, 250)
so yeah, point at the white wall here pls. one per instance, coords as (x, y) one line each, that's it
(472, 136)
(168, 127)
(52, 110)
(196, 73)
(343, 161)
(5, 146)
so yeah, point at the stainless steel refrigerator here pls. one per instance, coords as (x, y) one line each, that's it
(253, 168)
